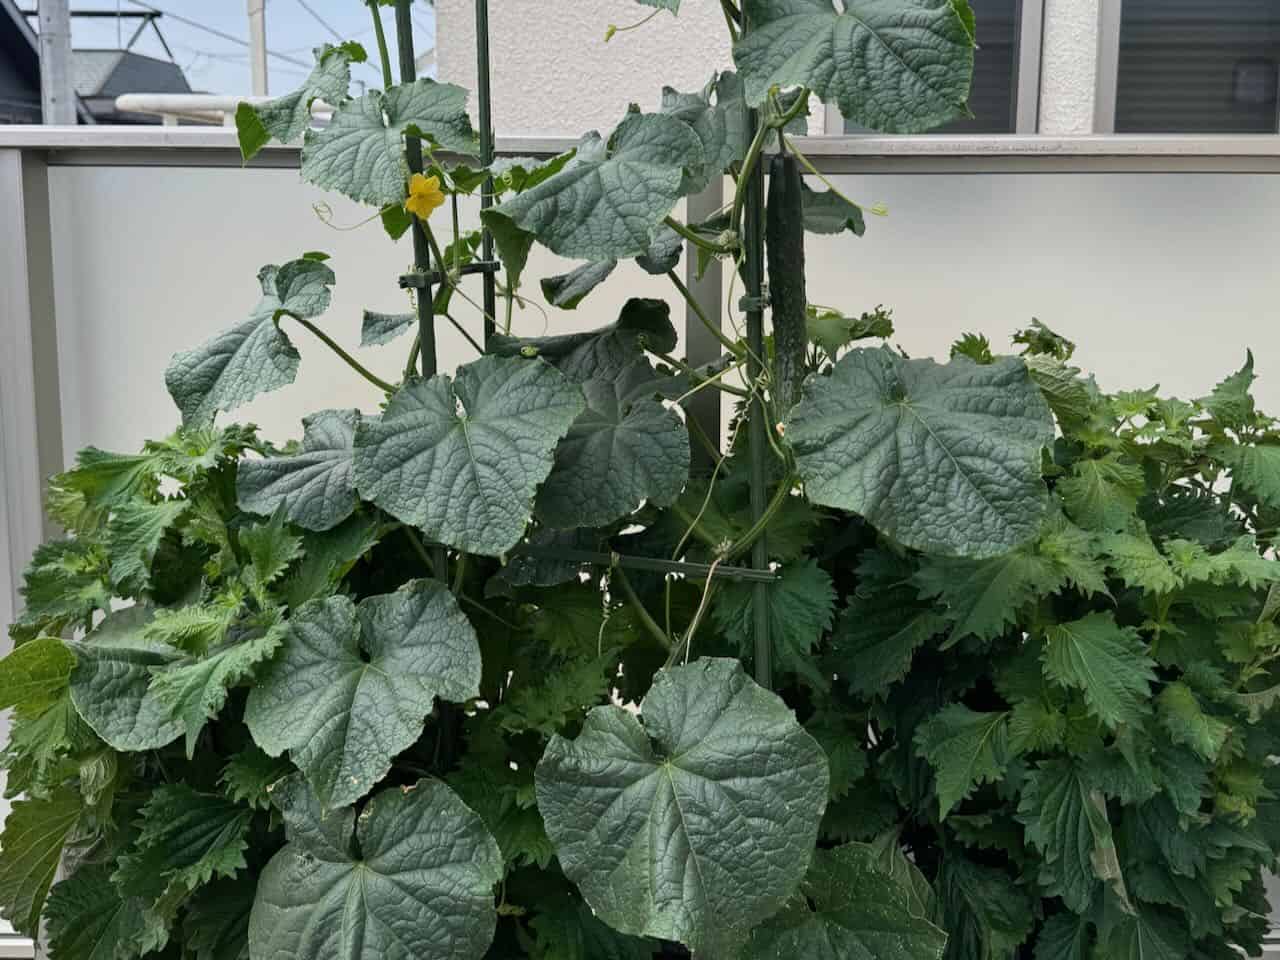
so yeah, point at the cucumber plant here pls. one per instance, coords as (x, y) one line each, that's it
(466, 675)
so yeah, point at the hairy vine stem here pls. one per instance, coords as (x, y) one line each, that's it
(638, 605)
(384, 54)
(734, 349)
(347, 358)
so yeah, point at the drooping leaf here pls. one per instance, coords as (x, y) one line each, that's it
(1069, 395)
(720, 128)
(965, 749)
(1066, 819)
(695, 826)
(361, 151)
(420, 885)
(461, 459)
(254, 357)
(62, 586)
(851, 909)
(610, 200)
(801, 610)
(945, 459)
(623, 450)
(380, 328)
(568, 290)
(195, 692)
(88, 919)
(827, 212)
(30, 851)
(286, 118)
(1106, 662)
(603, 353)
(897, 67)
(353, 685)
(314, 486)
(110, 685)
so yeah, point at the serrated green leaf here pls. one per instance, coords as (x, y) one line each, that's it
(1135, 560)
(254, 357)
(625, 449)
(899, 67)
(313, 486)
(271, 548)
(88, 919)
(1102, 494)
(945, 459)
(717, 757)
(111, 681)
(328, 557)
(1231, 403)
(1064, 936)
(983, 598)
(1180, 713)
(1145, 935)
(196, 627)
(1255, 469)
(361, 151)
(217, 920)
(30, 851)
(986, 916)
(851, 909)
(566, 929)
(1066, 820)
(421, 886)
(378, 668)
(1106, 662)
(65, 582)
(461, 459)
(33, 676)
(134, 534)
(562, 696)
(832, 331)
(286, 118)
(1070, 396)
(186, 839)
(801, 609)
(975, 347)
(610, 200)
(842, 741)
(965, 749)
(568, 290)
(195, 692)
(249, 775)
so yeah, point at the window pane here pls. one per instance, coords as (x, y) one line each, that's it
(995, 71)
(1191, 66)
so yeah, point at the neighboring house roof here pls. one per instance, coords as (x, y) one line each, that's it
(99, 76)
(19, 67)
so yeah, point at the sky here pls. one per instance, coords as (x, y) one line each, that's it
(215, 64)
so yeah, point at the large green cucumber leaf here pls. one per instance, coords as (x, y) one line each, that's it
(610, 200)
(353, 685)
(254, 357)
(721, 128)
(698, 824)
(624, 449)
(852, 908)
(461, 459)
(944, 459)
(900, 66)
(314, 486)
(411, 878)
(286, 118)
(110, 685)
(603, 353)
(361, 152)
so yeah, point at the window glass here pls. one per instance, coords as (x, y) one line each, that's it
(995, 68)
(1195, 66)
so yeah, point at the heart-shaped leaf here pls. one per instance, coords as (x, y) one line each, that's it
(254, 357)
(412, 877)
(286, 118)
(901, 66)
(626, 448)
(944, 459)
(609, 201)
(361, 151)
(314, 486)
(461, 459)
(698, 824)
(353, 685)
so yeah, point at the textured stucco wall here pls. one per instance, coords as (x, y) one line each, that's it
(1069, 67)
(553, 74)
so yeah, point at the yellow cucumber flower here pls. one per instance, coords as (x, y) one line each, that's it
(425, 196)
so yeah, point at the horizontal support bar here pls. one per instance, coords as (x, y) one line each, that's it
(697, 571)
(420, 281)
(216, 146)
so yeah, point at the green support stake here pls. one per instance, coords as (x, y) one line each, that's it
(486, 157)
(753, 279)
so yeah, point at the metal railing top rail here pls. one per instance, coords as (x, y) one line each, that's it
(1171, 153)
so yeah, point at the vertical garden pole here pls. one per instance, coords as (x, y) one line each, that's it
(753, 278)
(486, 157)
(413, 154)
